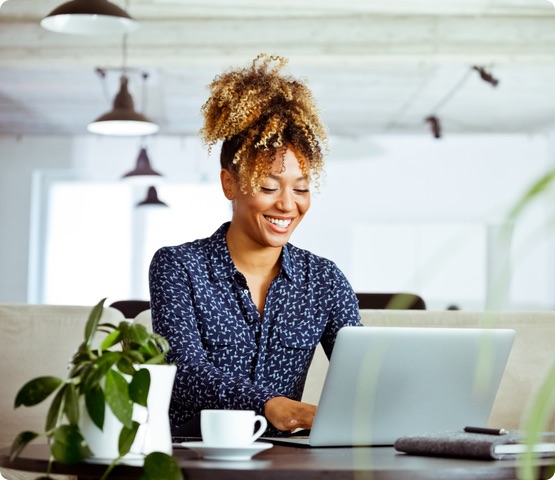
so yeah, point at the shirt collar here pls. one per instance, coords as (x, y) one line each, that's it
(220, 259)
(286, 263)
(223, 266)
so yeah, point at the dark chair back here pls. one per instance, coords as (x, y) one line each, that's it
(131, 308)
(391, 301)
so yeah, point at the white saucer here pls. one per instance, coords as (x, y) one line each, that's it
(133, 460)
(227, 453)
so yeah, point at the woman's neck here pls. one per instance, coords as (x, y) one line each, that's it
(251, 258)
(259, 265)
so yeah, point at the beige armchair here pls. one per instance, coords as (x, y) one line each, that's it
(36, 340)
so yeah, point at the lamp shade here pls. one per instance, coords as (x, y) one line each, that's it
(152, 199)
(89, 17)
(123, 119)
(143, 172)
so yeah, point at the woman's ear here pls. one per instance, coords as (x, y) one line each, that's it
(229, 184)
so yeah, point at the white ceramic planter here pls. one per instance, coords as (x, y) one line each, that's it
(154, 434)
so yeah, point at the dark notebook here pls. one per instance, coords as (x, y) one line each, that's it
(462, 444)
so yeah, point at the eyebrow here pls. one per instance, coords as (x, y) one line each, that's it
(277, 177)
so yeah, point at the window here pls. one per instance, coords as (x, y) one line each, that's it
(90, 241)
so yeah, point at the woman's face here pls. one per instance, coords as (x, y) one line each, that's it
(270, 216)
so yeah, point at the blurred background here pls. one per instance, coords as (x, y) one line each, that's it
(440, 116)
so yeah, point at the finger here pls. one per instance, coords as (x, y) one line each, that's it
(290, 424)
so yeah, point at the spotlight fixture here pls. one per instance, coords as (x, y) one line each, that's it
(435, 126)
(142, 173)
(89, 17)
(486, 76)
(123, 119)
(152, 199)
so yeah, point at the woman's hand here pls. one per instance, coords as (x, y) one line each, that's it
(288, 415)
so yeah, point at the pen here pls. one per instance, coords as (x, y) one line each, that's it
(489, 431)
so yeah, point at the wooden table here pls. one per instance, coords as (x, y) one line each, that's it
(290, 463)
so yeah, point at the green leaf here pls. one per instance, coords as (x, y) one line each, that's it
(92, 322)
(71, 407)
(117, 397)
(55, 410)
(158, 360)
(542, 184)
(98, 370)
(160, 465)
(80, 362)
(163, 344)
(82, 354)
(83, 377)
(36, 390)
(108, 359)
(122, 327)
(139, 387)
(154, 349)
(111, 339)
(127, 437)
(96, 406)
(20, 442)
(137, 334)
(536, 422)
(149, 350)
(125, 365)
(68, 445)
(134, 356)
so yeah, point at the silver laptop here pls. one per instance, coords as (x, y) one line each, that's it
(387, 382)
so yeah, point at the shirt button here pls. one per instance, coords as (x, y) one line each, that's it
(246, 291)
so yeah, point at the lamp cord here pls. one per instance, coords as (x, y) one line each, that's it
(452, 92)
(144, 92)
(124, 68)
(124, 53)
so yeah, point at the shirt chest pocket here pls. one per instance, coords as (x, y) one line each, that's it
(214, 338)
(230, 350)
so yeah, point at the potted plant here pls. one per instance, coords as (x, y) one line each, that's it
(106, 400)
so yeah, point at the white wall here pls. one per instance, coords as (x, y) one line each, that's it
(464, 179)
(472, 179)
(19, 157)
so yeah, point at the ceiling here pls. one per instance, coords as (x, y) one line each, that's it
(375, 66)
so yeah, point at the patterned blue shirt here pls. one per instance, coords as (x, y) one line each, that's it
(228, 356)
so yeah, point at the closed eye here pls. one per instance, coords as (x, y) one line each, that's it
(274, 190)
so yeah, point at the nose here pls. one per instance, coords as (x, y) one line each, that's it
(286, 202)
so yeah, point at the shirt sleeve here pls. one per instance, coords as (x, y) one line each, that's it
(343, 305)
(198, 384)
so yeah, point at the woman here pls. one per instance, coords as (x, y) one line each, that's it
(244, 309)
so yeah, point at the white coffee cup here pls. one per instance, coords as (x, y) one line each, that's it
(230, 428)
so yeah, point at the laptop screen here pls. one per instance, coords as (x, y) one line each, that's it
(386, 382)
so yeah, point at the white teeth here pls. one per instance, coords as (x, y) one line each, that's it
(279, 222)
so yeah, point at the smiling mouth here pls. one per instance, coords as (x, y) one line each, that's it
(282, 223)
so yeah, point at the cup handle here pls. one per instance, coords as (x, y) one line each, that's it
(262, 428)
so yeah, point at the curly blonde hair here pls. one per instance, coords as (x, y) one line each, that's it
(256, 112)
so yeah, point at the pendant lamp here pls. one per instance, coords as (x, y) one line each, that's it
(143, 172)
(123, 119)
(435, 126)
(152, 199)
(89, 17)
